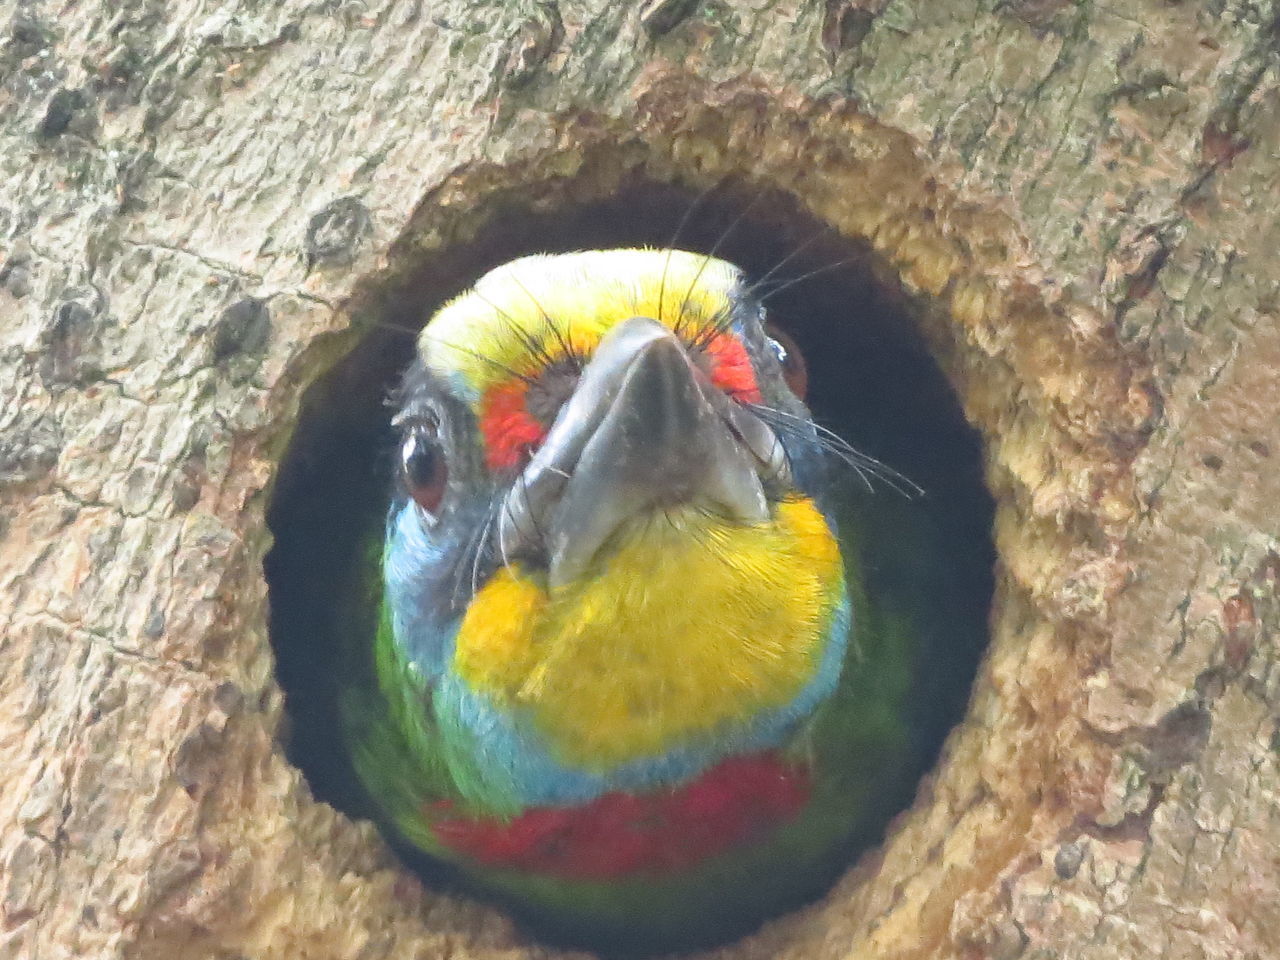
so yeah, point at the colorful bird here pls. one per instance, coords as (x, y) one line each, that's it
(639, 670)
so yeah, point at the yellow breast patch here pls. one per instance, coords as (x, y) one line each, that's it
(695, 623)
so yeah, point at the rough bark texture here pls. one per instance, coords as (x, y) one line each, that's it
(196, 198)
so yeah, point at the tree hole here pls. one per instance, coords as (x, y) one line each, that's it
(871, 379)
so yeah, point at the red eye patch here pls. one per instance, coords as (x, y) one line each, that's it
(511, 433)
(731, 368)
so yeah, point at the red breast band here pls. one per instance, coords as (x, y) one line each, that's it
(736, 803)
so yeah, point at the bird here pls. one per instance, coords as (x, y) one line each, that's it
(634, 663)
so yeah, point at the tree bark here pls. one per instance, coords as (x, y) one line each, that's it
(199, 205)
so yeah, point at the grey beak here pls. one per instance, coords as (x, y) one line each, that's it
(643, 430)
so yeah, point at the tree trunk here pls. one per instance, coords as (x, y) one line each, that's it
(202, 204)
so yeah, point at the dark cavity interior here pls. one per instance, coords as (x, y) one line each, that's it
(871, 379)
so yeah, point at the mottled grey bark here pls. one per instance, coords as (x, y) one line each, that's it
(195, 197)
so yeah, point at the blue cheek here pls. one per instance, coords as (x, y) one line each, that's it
(412, 567)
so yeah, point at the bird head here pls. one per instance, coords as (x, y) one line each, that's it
(609, 546)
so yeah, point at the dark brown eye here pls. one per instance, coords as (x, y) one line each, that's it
(794, 370)
(423, 466)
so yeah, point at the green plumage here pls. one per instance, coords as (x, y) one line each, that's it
(868, 745)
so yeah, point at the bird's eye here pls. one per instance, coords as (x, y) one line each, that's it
(789, 357)
(422, 463)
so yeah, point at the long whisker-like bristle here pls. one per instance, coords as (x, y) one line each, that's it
(528, 508)
(535, 347)
(788, 284)
(671, 247)
(502, 541)
(715, 248)
(865, 466)
(768, 275)
(719, 324)
(485, 358)
(557, 334)
(474, 552)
